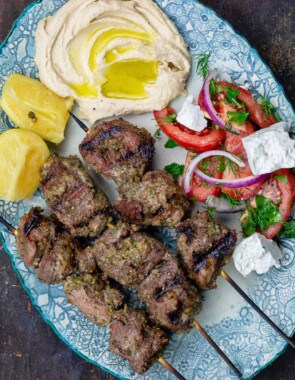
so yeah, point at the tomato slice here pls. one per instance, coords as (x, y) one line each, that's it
(201, 190)
(208, 139)
(283, 189)
(253, 107)
(233, 141)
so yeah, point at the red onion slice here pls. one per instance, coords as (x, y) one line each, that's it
(217, 119)
(234, 183)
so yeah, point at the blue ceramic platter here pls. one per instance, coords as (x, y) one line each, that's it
(240, 332)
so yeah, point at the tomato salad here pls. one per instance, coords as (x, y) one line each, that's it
(217, 163)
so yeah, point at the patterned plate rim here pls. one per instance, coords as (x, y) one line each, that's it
(2, 239)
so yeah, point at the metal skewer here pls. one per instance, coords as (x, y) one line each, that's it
(161, 360)
(8, 226)
(256, 308)
(216, 348)
(170, 368)
(80, 122)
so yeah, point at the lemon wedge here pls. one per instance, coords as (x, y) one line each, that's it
(22, 155)
(32, 106)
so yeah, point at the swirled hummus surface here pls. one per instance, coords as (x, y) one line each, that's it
(114, 57)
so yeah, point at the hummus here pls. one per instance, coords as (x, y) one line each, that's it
(113, 56)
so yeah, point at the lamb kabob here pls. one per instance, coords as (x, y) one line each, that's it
(74, 199)
(123, 152)
(139, 261)
(206, 246)
(153, 198)
(47, 247)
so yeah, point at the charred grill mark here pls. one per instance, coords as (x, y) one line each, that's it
(108, 134)
(159, 211)
(161, 291)
(218, 252)
(32, 224)
(188, 231)
(47, 179)
(146, 149)
(86, 146)
(174, 316)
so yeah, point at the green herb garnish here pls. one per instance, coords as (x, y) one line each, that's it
(238, 117)
(203, 65)
(214, 89)
(265, 214)
(269, 109)
(157, 134)
(171, 118)
(231, 97)
(211, 210)
(282, 178)
(233, 202)
(288, 231)
(170, 144)
(174, 169)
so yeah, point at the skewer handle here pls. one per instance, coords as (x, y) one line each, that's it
(170, 368)
(216, 348)
(256, 308)
(8, 226)
(79, 122)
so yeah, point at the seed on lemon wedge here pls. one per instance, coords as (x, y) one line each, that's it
(22, 156)
(32, 106)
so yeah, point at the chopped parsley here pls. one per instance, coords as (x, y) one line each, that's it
(288, 231)
(231, 97)
(233, 202)
(170, 144)
(269, 109)
(282, 178)
(171, 118)
(238, 117)
(214, 89)
(174, 169)
(211, 210)
(265, 214)
(203, 65)
(157, 134)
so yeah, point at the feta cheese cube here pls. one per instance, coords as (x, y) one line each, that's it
(256, 253)
(191, 115)
(270, 149)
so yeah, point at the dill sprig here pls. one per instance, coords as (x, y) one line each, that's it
(233, 202)
(259, 218)
(288, 231)
(269, 109)
(203, 65)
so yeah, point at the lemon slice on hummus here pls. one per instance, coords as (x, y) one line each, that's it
(22, 156)
(32, 106)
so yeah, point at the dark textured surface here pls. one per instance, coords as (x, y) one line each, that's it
(29, 350)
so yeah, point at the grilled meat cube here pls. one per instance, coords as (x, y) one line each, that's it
(119, 150)
(136, 339)
(205, 246)
(94, 297)
(71, 194)
(85, 261)
(157, 200)
(171, 300)
(45, 245)
(127, 256)
(35, 234)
